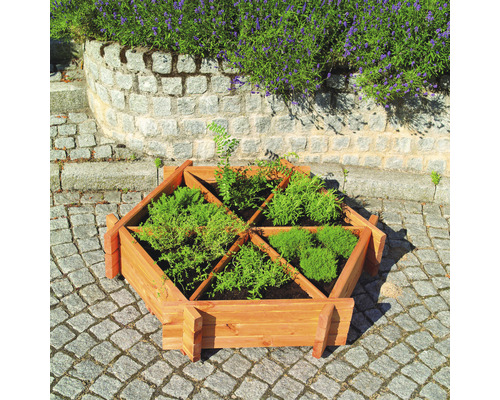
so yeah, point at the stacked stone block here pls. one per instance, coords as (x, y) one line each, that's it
(161, 103)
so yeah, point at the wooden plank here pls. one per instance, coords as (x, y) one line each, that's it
(300, 279)
(267, 231)
(322, 330)
(374, 253)
(112, 255)
(261, 311)
(352, 270)
(134, 215)
(192, 333)
(238, 331)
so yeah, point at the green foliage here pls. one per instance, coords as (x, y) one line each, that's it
(319, 264)
(337, 239)
(302, 198)
(238, 188)
(287, 47)
(251, 269)
(436, 178)
(158, 162)
(291, 243)
(189, 233)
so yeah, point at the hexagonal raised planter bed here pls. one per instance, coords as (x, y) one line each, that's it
(191, 324)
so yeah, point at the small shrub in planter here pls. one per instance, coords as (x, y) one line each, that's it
(304, 197)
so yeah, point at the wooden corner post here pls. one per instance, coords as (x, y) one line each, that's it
(112, 250)
(324, 322)
(191, 333)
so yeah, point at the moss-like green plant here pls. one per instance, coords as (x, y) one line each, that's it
(290, 243)
(337, 239)
(253, 270)
(319, 264)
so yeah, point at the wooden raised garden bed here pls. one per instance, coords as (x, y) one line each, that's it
(191, 324)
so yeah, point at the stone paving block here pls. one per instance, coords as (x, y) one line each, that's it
(86, 370)
(157, 372)
(367, 383)
(81, 321)
(73, 303)
(125, 338)
(144, 352)
(61, 287)
(124, 368)
(104, 352)
(69, 387)
(401, 353)
(106, 387)
(60, 335)
(81, 344)
(267, 370)
(433, 391)
(237, 366)
(251, 389)
(339, 370)
(198, 371)
(402, 386)
(92, 293)
(356, 356)
(60, 363)
(326, 386)
(178, 387)
(126, 316)
(81, 278)
(69, 263)
(57, 315)
(303, 371)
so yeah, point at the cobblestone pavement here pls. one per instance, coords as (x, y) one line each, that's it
(105, 344)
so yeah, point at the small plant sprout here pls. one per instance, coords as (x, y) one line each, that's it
(436, 178)
(158, 162)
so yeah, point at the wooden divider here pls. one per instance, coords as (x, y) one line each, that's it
(111, 239)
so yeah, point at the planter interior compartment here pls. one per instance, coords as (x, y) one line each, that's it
(190, 324)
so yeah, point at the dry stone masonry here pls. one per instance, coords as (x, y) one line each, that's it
(160, 104)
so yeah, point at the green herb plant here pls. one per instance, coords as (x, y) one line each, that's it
(189, 233)
(238, 188)
(158, 162)
(319, 253)
(251, 269)
(435, 177)
(302, 198)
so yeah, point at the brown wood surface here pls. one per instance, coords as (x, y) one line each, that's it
(112, 258)
(322, 330)
(261, 323)
(192, 333)
(352, 270)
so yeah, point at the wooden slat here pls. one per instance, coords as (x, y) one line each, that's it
(134, 215)
(192, 333)
(245, 329)
(322, 330)
(352, 270)
(267, 231)
(300, 279)
(112, 256)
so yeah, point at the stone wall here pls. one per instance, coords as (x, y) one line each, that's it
(160, 104)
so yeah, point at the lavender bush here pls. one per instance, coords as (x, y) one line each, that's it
(287, 47)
